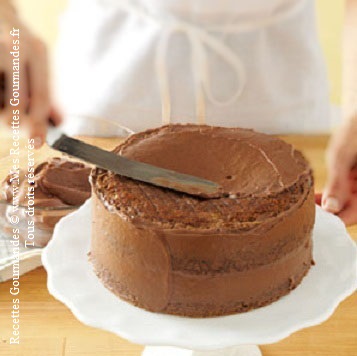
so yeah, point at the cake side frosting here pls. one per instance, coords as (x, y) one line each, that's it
(141, 266)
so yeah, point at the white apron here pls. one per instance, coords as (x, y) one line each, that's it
(254, 64)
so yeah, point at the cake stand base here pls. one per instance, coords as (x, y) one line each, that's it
(243, 350)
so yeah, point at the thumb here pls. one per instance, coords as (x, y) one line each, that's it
(336, 193)
(337, 190)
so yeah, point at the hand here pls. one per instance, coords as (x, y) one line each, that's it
(340, 195)
(34, 101)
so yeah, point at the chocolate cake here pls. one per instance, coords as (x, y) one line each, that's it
(173, 253)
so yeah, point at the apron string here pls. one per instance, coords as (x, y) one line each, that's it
(201, 39)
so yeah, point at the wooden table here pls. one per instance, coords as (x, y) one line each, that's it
(48, 328)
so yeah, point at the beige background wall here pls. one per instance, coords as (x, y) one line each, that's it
(42, 16)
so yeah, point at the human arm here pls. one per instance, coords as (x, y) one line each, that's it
(340, 195)
(34, 100)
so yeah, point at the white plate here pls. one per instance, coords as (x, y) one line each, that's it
(72, 281)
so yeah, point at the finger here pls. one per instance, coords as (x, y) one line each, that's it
(39, 108)
(337, 191)
(340, 160)
(24, 90)
(20, 87)
(349, 214)
(55, 117)
(2, 90)
(353, 183)
(353, 174)
(6, 83)
(335, 195)
(38, 132)
(318, 198)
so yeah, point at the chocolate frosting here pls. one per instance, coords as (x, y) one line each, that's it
(58, 182)
(243, 162)
(227, 156)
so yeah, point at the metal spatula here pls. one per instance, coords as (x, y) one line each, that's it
(133, 169)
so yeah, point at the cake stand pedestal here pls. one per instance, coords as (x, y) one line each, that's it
(244, 350)
(72, 281)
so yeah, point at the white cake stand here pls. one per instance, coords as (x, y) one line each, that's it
(72, 281)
